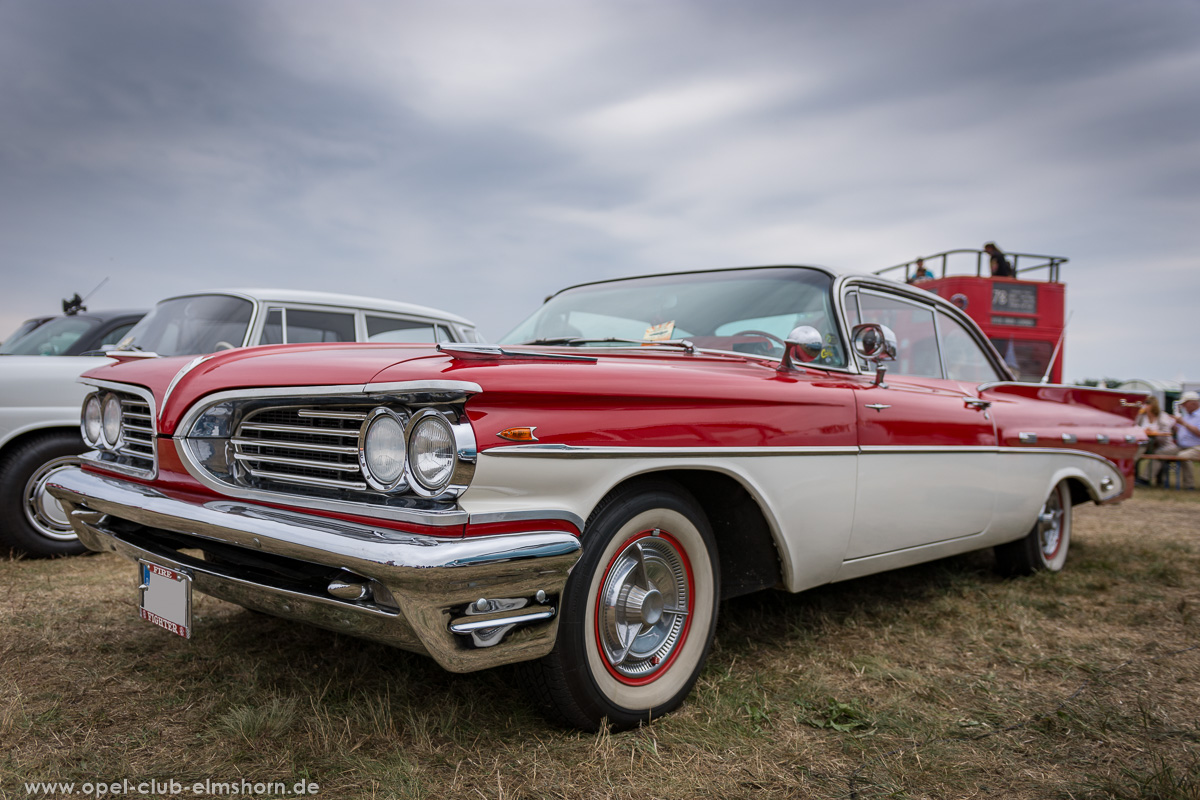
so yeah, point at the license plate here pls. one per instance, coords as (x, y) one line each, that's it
(165, 598)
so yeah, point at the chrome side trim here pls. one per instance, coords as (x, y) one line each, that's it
(916, 448)
(608, 451)
(523, 516)
(924, 546)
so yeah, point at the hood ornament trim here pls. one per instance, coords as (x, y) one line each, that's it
(474, 352)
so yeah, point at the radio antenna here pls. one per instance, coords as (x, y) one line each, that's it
(93, 291)
(1057, 348)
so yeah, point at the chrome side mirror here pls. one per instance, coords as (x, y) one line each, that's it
(803, 344)
(875, 344)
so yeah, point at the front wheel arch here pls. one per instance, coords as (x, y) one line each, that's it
(637, 616)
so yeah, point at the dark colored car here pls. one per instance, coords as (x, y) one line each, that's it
(71, 335)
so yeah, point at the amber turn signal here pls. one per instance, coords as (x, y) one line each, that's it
(518, 434)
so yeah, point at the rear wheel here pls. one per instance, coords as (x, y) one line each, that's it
(637, 615)
(1045, 546)
(32, 522)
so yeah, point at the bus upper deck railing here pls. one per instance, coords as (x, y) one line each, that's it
(1023, 264)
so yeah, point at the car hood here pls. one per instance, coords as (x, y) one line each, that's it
(178, 381)
(609, 379)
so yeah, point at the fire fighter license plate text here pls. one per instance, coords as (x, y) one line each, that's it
(165, 598)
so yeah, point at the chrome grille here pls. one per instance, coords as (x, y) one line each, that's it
(136, 452)
(301, 445)
(137, 432)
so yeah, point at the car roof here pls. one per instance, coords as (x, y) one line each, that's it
(332, 299)
(102, 316)
(826, 270)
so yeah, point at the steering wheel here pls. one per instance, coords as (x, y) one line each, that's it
(222, 346)
(764, 334)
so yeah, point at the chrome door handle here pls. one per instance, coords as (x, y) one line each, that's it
(877, 406)
(982, 405)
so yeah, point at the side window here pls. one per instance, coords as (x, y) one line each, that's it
(115, 335)
(916, 337)
(304, 326)
(965, 360)
(395, 329)
(273, 327)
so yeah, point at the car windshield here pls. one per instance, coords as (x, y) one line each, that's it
(746, 310)
(193, 325)
(22, 329)
(52, 338)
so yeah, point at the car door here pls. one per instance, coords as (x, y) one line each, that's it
(927, 442)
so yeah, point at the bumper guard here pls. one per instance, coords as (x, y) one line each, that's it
(420, 593)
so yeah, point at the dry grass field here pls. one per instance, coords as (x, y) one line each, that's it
(940, 681)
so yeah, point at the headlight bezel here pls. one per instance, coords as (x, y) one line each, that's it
(384, 416)
(106, 441)
(429, 416)
(91, 438)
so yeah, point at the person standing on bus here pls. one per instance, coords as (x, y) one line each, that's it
(921, 273)
(1000, 266)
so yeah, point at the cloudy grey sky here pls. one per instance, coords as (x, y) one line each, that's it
(478, 155)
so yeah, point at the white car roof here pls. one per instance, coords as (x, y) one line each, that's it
(333, 299)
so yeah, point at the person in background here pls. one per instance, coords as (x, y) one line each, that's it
(1187, 435)
(920, 273)
(1000, 266)
(1160, 427)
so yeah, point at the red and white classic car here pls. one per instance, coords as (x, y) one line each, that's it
(580, 497)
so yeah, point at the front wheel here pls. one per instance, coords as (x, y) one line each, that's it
(637, 615)
(1044, 548)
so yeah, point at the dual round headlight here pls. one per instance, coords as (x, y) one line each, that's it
(381, 451)
(421, 453)
(102, 421)
(432, 453)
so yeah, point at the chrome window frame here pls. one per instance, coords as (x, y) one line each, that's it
(856, 283)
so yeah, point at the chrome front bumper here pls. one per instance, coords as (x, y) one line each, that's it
(470, 603)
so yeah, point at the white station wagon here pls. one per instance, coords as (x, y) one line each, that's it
(40, 398)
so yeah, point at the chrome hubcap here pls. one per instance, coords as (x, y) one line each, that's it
(1050, 525)
(643, 606)
(43, 511)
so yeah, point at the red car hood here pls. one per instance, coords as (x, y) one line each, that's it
(633, 376)
(258, 367)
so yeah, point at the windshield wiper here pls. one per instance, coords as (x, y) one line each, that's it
(580, 340)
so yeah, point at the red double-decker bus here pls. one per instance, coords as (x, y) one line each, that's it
(1023, 315)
